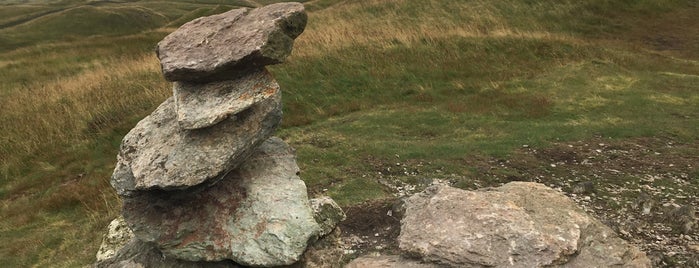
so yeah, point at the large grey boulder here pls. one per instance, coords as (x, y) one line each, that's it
(520, 224)
(214, 47)
(204, 105)
(158, 154)
(257, 215)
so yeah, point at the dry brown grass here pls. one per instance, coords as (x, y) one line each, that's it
(72, 108)
(397, 22)
(65, 109)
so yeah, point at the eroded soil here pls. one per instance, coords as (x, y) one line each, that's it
(645, 189)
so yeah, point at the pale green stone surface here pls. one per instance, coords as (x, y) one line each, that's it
(257, 215)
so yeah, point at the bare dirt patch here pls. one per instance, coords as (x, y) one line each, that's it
(371, 226)
(645, 189)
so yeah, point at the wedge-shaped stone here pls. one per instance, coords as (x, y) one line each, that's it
(211, 48)
(203, 105)
(258, 215)
(158, 154)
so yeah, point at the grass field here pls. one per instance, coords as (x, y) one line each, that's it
(370, 83)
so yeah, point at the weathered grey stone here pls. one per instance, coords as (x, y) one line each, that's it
(387, 261)
(204, 105)
(118, 234)
(138, 254)
(519, 224)
(327, 252)
(327, 214)
(258, 215)
(158, 154)
(209, 48)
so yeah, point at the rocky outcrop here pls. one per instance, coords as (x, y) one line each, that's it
(258, 214)
(517, 225)
(219, 46)
(202, 182)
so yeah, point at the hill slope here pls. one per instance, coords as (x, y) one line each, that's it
(378, 95)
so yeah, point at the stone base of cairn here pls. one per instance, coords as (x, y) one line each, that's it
(202, 181)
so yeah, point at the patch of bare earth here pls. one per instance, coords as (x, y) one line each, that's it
(645, 189)
(371, 226)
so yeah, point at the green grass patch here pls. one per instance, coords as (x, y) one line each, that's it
(80, 22)
(423, 74)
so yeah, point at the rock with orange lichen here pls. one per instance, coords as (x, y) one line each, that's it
(257, 215)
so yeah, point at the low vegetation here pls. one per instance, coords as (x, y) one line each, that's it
(372, 85)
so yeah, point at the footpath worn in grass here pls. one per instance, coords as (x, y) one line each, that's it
(369, 83)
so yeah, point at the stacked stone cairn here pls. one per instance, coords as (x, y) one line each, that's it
(201, 179)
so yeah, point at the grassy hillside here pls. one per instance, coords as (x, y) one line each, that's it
(371, 85)
(30, 24)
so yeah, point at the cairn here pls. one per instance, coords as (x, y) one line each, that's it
(201, 179)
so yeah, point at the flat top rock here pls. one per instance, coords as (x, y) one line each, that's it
(204, 105)
(158, 154)
(212, 47)
(516, 225)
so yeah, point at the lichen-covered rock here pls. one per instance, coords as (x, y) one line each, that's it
(118, 234)
(519, 224)
(211, 48)
(258, 215)
(158, 154)
(138, 254)
(204, 105)
(327, 214)
(327, 252)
